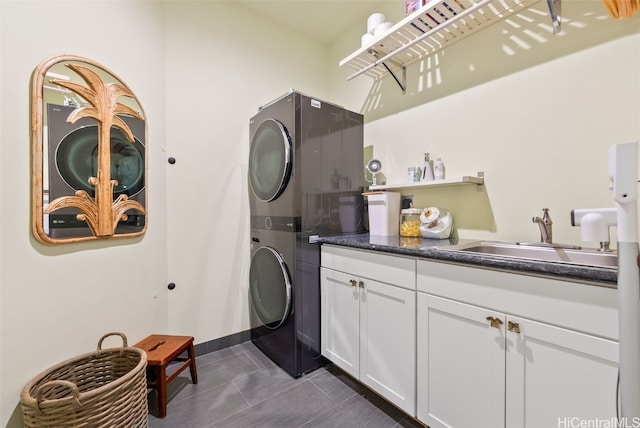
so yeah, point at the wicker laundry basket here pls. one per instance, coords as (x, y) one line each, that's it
(105, 388)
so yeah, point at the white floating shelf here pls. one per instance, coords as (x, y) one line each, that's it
(467, 179)
(430, 29)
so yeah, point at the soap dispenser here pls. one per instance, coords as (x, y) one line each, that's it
(427, 171)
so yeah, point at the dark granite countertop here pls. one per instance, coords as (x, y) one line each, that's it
(432, 249)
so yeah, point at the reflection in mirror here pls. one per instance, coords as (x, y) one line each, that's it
(88, 153)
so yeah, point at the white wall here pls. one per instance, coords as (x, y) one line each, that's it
(535, 111)
(223, 62)
(57, 301)
(201, 70)
(537, 123)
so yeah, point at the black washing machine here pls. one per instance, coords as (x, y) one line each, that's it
(305, 163)
(73, 158)
(305, 179)
(285, 314)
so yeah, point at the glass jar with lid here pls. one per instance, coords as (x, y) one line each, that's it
(410, 222)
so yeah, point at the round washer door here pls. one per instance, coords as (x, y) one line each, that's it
(77, 159)
(270, 287)
(269, 160)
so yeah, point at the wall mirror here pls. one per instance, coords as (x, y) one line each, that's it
(88, 149)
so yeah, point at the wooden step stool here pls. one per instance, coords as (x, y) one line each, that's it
(161, 351)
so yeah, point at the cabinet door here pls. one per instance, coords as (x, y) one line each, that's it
(387, 342)
(340, 320)
(461, 365)
(555, 375)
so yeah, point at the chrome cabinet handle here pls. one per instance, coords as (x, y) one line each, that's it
(513, 326)
(495, 322)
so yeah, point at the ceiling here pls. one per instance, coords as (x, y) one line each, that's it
(322, 20)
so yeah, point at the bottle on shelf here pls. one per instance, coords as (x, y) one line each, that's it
(417, 174)
(427, 170)
(411, 174)
(438, 169)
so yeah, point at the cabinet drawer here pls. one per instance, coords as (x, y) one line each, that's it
(394, 270)
(586, 308)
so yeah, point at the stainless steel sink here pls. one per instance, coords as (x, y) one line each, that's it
(543, 253)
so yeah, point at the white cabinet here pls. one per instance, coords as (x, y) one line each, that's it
(368, 321)
(555, 374)
(483, 366)
(459, 346)
(340, 320)
(461, 365)
(388, 342)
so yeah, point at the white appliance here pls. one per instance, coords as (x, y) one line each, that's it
(623, 173)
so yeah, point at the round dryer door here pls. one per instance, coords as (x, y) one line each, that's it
(77, 159)
(269, 160)
(270, 287)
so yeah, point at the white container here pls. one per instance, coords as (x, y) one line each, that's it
(374, 20)
(382, 28)
(411, 173)
(438, 170)
(384, 213)
(366, 40)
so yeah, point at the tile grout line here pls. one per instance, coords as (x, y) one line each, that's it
(233, 381)
(234, 413)
(178, 400)
(246, 352)
(252, 405)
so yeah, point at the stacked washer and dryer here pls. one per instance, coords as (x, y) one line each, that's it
(305, 176)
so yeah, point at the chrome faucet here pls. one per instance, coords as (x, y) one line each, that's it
(545, 224)
(546, 240)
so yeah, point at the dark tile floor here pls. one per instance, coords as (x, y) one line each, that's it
(239, 387)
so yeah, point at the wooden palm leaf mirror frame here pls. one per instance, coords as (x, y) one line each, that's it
(94, 95)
